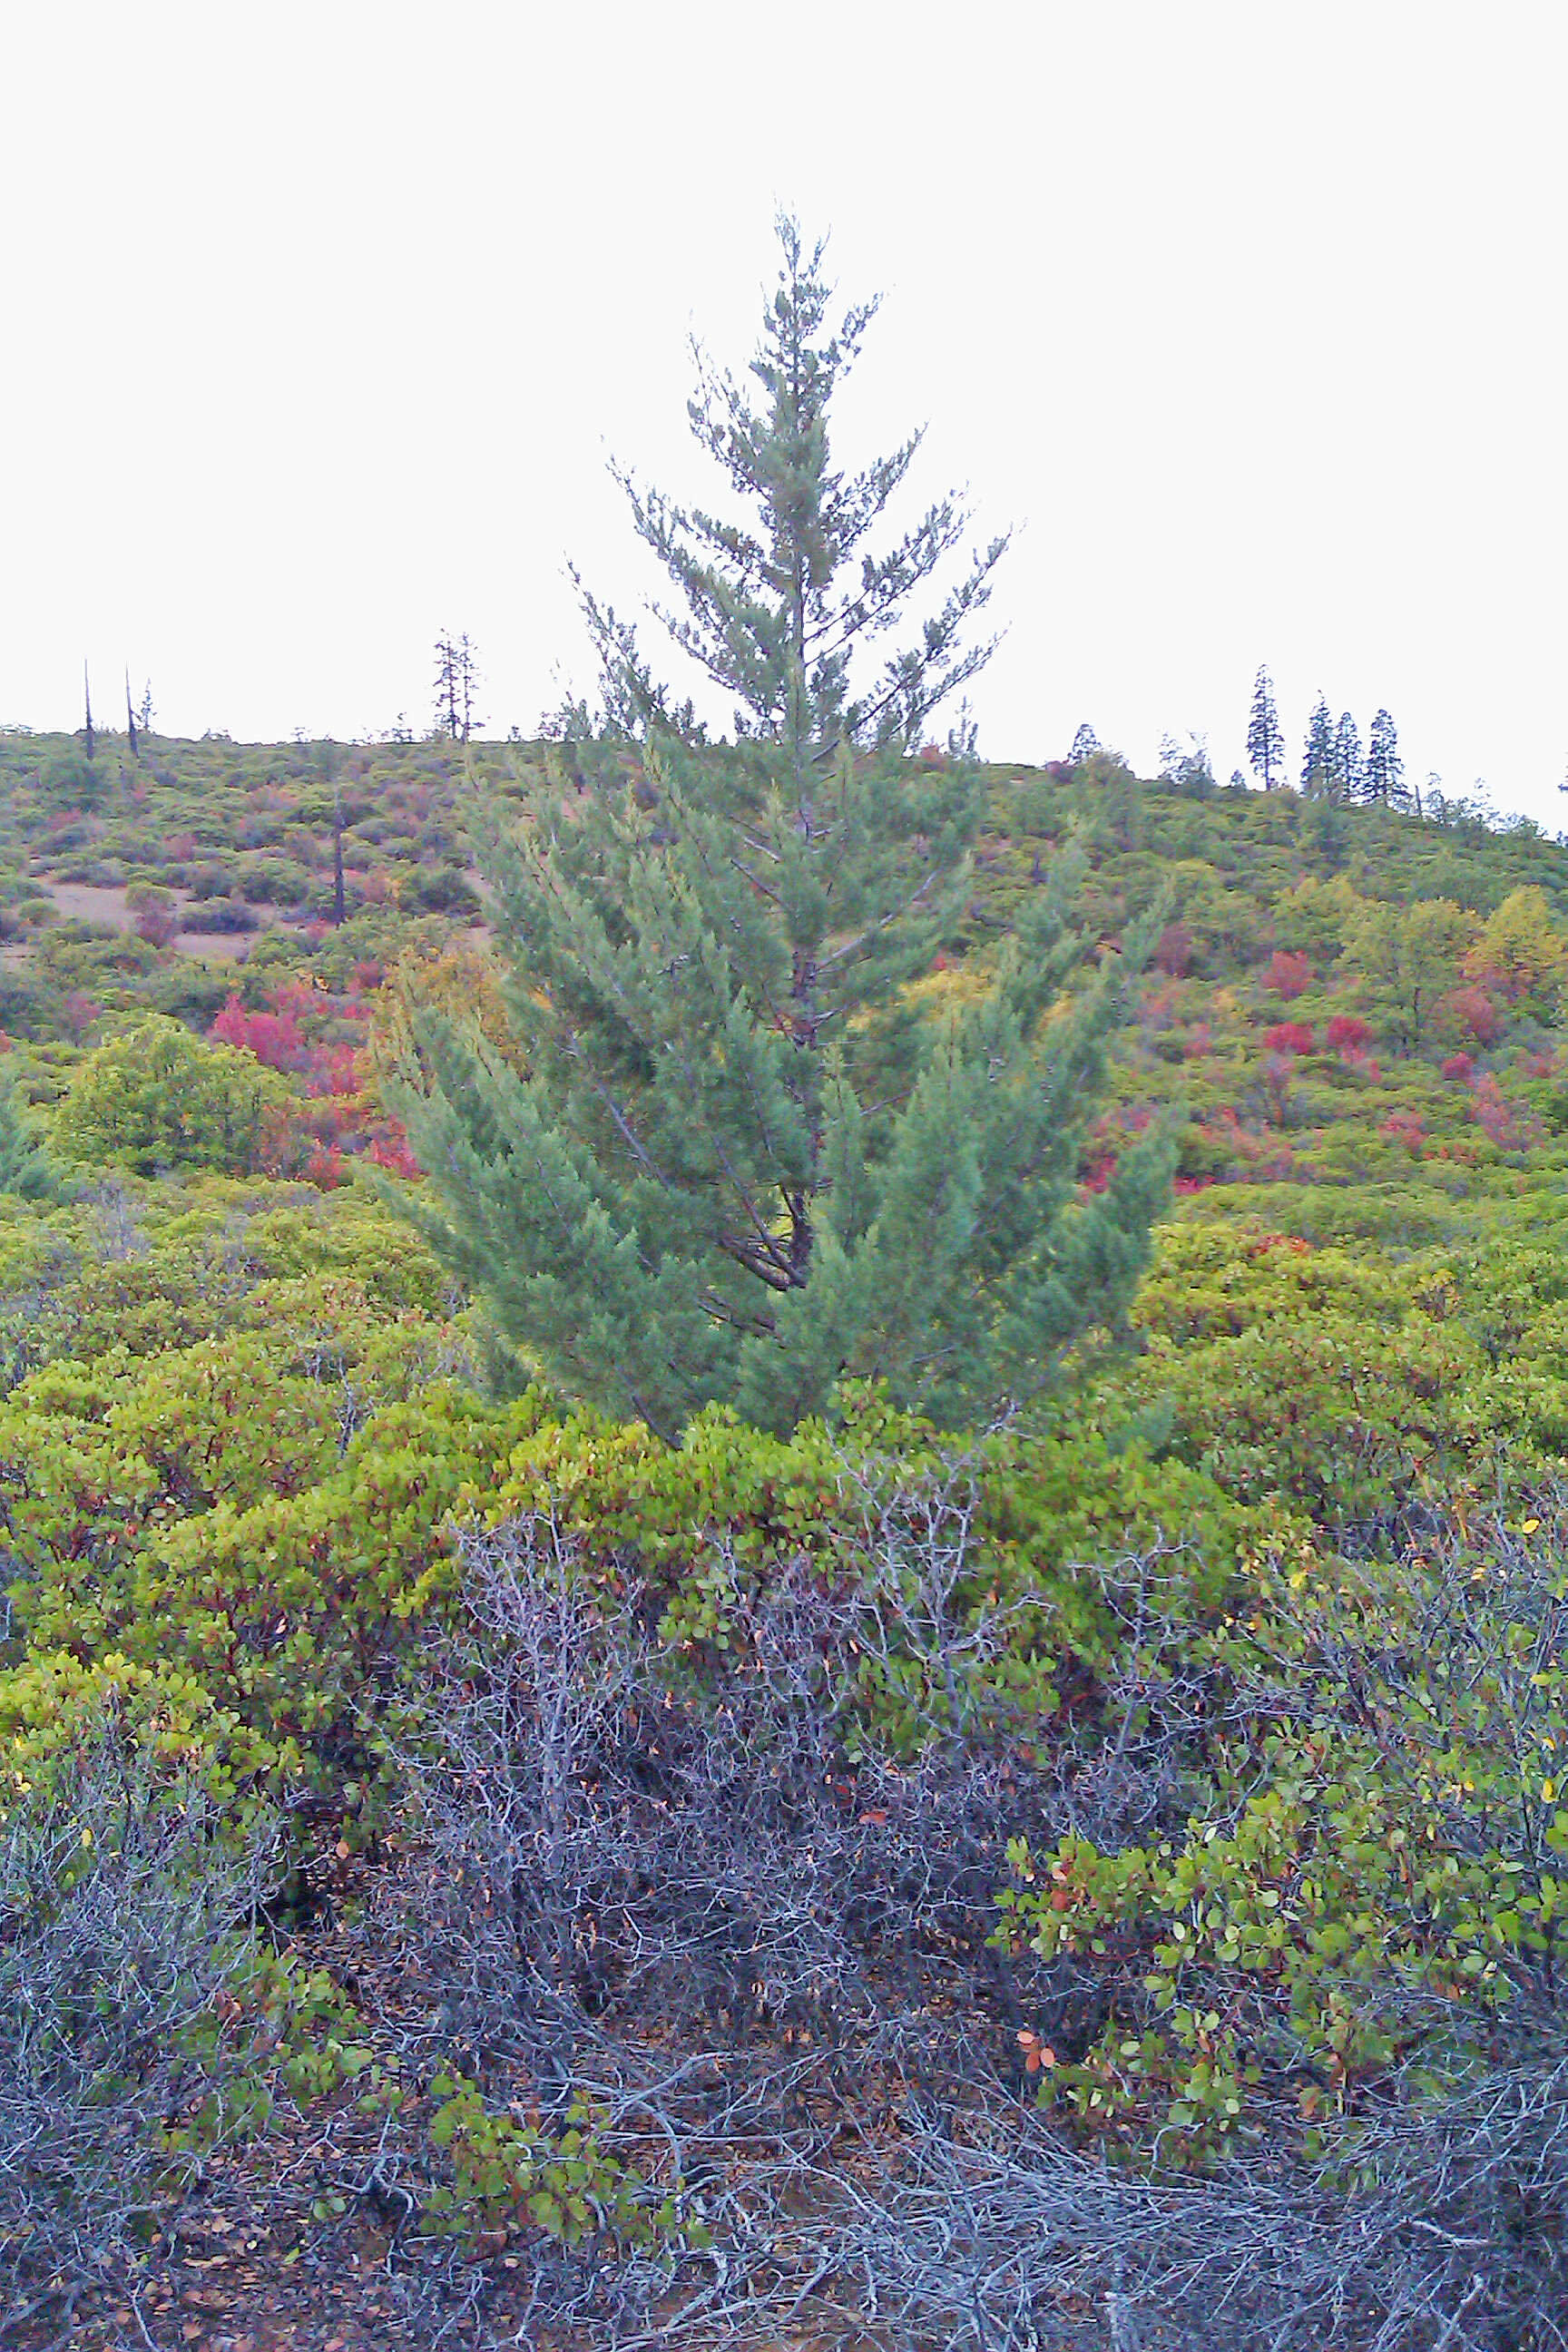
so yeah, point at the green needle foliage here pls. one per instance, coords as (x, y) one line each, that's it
(749, 1142)
(735, 1156)
(782, 607)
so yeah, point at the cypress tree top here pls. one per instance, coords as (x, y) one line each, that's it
(783, 606)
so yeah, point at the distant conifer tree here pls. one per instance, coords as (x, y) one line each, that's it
(471, 679)
(1318, 762)
(752, 1136)
(1265, 743)
(1085, 744)
(964, 735)
(1323, 832)
(1187, 765)
(449, 704)
(1349, 773)
(456, 686)
(1385, 768)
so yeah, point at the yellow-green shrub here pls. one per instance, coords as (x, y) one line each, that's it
(156, 1097)
(54, 1702)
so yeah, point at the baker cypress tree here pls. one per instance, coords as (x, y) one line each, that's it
(1264, 742)
(748, 1140)
(1385, 768)
(1349, 767)
(1319, 761)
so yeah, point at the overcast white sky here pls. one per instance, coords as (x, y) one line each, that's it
(321, 319)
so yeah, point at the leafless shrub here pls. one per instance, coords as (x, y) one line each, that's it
(1441, 2231)
(117, 1230)
(691, 1884)
(625, 1830)
(122, 1918)
(694, 1886)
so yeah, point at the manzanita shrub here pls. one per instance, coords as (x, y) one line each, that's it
(1372, 1867)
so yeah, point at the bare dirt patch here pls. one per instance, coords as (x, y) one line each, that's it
(93, 902)
(218, 947)
(105, 903)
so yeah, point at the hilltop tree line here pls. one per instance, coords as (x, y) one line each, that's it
(1335, 764)
(1337, 767)
(730, 634)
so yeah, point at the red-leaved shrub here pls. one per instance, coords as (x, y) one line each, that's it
(334, 1070)
(1403, 1127)
(158, 926)
(324, 1167)
(273, 1038)
(1346, 1033)
(1493, 1116)
(390, 1150)
(1290, 1037)
(80, 1013)
(1173, 950)
(1289, 971)
(1474, 1010)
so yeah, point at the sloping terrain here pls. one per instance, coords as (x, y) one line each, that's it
(474, 1874)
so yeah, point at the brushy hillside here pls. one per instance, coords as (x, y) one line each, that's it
(476, 1875)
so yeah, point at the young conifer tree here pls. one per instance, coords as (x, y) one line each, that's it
(457, 685)
(748, 1140)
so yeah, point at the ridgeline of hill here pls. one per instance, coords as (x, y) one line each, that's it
(862, 1886)
(202, 872)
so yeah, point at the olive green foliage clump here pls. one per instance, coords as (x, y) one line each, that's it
(246, 1494)
(25, 1168)
(158, 1098)
(1369, 1885)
